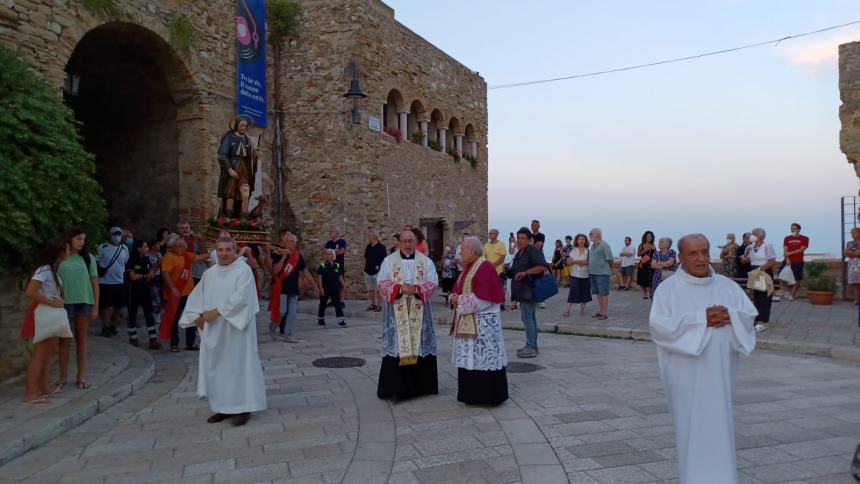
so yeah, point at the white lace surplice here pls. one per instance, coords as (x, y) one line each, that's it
(487, 351)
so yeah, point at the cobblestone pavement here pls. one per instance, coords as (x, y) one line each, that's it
(594, 412)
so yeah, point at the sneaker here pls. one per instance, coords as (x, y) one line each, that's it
(789, 297)
(543, 305)
(527, 353)
(342, 324)
(289, 339)
(760, 327)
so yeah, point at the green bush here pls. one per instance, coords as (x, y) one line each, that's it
(816, 280)
(281, 20)
(47, 183)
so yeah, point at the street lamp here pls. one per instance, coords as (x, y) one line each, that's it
(355, 93)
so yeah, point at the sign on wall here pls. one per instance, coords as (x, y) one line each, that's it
(251, 60)
(374, 123)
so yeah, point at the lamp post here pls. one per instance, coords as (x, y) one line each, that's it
(355, 93)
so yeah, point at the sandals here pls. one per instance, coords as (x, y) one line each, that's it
(596, 315)
(371, 308)
(602, 317)
(83, 385)
(56, 392)
(565, 314)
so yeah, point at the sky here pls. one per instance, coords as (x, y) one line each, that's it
(714, 145)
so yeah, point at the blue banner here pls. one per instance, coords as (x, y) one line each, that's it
(251, 60)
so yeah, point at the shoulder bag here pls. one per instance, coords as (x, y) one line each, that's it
(102, 271)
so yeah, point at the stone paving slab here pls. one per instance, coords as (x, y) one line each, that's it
(796, 326)
(115, 371)
(595, 413)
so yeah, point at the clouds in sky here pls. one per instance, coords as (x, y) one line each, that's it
(817, 53)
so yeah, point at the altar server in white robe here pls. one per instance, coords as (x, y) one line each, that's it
(700, 322)
(223, 307)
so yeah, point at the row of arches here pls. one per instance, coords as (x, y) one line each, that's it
(436, 131)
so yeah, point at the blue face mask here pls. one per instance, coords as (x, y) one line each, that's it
(129, 242)
(116, 239)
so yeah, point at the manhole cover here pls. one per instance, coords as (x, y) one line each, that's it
(519, 367)
(339, 362)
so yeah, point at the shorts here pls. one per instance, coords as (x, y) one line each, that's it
(599, 284)
(370, 281)
(797, 270)
(627, 271)
(113, 295)
(79, 309)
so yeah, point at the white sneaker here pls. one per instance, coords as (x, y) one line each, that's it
(543, 305)
(789, 297)
(760, 327)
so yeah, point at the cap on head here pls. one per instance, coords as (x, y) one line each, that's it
(116, 230)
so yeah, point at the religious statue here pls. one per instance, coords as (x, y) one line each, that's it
(238, 162)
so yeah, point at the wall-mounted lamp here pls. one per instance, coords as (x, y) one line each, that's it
(355, 93)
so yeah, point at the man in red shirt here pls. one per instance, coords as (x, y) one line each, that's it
(794, 246)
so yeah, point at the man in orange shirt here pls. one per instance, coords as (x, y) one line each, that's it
(178, 284)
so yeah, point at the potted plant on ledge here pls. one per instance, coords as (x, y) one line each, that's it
(819, 288)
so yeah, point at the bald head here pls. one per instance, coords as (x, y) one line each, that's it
(694, 250)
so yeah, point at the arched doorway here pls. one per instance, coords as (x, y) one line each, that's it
(127, 87)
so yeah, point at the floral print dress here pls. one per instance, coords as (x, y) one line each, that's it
(660, 256)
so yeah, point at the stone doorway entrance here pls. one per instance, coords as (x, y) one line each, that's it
(434, 230)
(126, 86)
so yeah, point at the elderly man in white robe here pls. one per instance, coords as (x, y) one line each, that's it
(406, 282)
(700, 322)
(223, 307)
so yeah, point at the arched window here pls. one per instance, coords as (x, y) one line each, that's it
(416, 113)
(393, 105)
(471, 146)
(436, 122)
(453, 130)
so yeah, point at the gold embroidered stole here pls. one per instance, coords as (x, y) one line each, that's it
(467, 324)
(408, 311)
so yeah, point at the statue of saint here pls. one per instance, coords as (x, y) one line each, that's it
(238, 161)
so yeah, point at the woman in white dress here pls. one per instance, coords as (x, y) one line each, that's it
(479, 348)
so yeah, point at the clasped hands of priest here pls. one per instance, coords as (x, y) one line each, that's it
(206, 317)
(718, 316)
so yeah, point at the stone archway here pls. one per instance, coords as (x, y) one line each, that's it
(128, 90)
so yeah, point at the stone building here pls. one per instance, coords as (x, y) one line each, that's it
(152, 108)
(849, 111)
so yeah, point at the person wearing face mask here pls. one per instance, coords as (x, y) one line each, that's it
(111, 258)
(762, 259)
(794, 246)
(728, 259)
(742, 268)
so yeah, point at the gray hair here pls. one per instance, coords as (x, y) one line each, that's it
(375, 233)
(293, 237)
(330, 252)
(226, 240)
(596, 231)
(335, 229)
(759, 232)
(691, 236)
(474, 244)
(668, 240)
(171, 239)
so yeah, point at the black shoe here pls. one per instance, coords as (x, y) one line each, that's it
(240, 419)
(218, 417)
(341, 323)
(321, 322)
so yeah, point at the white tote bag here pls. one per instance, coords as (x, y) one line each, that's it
(760, 283)
(786, 275)
(51, 323)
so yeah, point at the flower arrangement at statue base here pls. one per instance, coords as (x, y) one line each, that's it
(248, 230)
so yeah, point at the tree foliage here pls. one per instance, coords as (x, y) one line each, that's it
(282, 20)
(47, 183)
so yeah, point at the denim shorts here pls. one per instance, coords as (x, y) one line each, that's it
(80, 309)
(599, 284)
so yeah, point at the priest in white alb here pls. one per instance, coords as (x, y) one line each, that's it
(224, 307)
(406, 281)
(700, 322)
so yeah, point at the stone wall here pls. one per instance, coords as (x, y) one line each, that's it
(337, 172)
(849, 111)
(14, 351)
